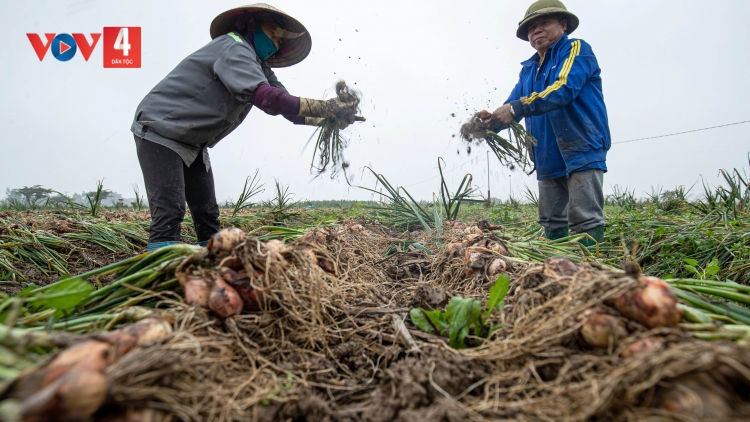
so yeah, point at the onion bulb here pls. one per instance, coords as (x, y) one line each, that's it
(224, 300)
(642, 346)
(87, 356)
(557, 266)
(196, 289)
(232, 262)
(454, 249)
(142, 332)
(251, 297)
(653, 304)
(600, 328)
(473, 230)
(76, 395)
(315, 237)
(474, 259)
(223, 243)
(356, 227)
(497, 247)
(698, 394)
(472, 237)
(327, 265)
(496, 267)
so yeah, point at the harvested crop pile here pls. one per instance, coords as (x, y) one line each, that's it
(329, 143)
(512, 152)
(330, 338)
(72, 385)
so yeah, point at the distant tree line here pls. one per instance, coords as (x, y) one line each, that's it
(37, 196)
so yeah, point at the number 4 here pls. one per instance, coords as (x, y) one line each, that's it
(121, 43)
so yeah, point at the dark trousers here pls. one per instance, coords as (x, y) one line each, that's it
(169, 184)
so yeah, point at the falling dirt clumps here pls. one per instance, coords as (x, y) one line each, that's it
(330, 145)
(326, 345)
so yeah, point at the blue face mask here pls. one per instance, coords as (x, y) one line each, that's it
(264, 47)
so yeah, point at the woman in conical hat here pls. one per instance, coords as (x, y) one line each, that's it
(204, 99)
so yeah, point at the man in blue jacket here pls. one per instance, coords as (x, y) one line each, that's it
(559, 94)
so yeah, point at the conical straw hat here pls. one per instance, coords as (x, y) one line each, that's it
(292, 51)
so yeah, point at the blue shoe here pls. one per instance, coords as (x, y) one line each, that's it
(152, 246)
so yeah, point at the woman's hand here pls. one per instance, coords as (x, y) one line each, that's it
(333, 108)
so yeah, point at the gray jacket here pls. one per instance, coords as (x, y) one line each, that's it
(204, 98)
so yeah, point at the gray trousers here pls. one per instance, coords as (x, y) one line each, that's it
(576, 202)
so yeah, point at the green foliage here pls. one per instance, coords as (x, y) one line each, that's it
(59, 298)
(623, 198)
(726, 203)
(403, 211)
(452, 203)
(531, 196)
(251, 188)
(96, 197)
(139, 203)
(463, 316)
(497, 294)
(515, 150)
(280, 207)
(711, 269)
(62, 296)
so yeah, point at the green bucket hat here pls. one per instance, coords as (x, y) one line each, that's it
(541, 8)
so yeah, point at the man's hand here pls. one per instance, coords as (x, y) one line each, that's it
(501, 116)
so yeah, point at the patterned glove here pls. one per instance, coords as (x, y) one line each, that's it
(333, 108)
(314, 121)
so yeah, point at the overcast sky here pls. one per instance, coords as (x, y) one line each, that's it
(667, 66)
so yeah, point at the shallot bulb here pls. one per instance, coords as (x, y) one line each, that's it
(142, 332)
(600, 328)
(557, 266)
(653, 304)
(86, 356)
(224, 300)
(76, 395)
(641, 346)
(473, 230)
(475, 258)
(497, 247)
(699, 395)
(454, 249)
(223, 243)
(252, 297)
(496, 267)
(196, 290)
(472, 237)
(315, 237)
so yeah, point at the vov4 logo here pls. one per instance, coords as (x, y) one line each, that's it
(122, 46)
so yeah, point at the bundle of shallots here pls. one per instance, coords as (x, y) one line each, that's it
(512, 152)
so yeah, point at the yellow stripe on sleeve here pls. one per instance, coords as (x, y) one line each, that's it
(562, 79)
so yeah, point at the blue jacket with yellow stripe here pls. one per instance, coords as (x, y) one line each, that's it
(563, 104)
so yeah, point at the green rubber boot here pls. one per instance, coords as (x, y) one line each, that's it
(556, 234)
(597, 233)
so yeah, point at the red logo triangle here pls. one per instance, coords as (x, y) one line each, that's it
(64, 47)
